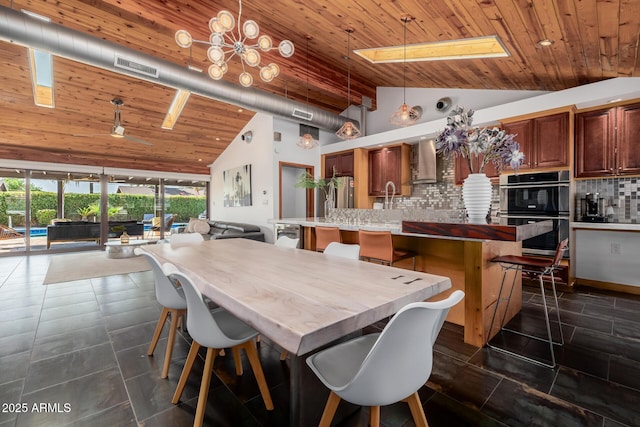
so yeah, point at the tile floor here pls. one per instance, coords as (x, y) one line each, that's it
(75, 354)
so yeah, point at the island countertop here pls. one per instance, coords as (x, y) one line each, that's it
(455, 230)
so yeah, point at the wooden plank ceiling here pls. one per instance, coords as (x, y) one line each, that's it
(593, 40)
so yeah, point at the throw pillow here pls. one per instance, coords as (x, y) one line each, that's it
(201, 226)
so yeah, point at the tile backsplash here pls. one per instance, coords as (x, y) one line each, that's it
(619, 194)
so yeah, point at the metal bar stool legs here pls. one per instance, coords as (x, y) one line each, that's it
(539, 267)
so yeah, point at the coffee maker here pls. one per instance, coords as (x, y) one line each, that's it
(593, 208)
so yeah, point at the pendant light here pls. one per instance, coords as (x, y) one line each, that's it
(405, 115)
(348, 130)
(307, 141)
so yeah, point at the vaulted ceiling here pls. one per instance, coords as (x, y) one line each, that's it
(593, 40)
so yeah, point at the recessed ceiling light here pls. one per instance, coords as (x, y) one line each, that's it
(476, 47)
(217, 138)
(614, 100)
(545, 42)
(240, 110)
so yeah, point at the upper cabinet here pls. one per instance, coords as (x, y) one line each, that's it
(390, 164)
(604, 142)
(543, 140)
(342, 163)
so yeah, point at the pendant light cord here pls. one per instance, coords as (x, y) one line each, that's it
(405, 19)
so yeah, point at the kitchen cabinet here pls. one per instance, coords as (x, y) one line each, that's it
(605, 142)
(543, 140)
(389, 164)
(461, 169)
(342, 163)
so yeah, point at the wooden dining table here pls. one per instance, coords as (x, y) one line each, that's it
(300, 299)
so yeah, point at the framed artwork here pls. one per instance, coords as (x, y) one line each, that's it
(236, 186)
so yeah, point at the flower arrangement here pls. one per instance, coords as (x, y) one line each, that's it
(460, 139)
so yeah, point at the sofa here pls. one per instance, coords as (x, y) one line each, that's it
(66, 231)
(223, 229)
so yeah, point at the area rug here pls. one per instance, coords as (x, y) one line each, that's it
(87, 265)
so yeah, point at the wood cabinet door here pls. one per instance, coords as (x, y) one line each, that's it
(595, 143)
(376, 172)
(461, 169)
(330, 163)
(523, 130)
(392, 167)
(551, 141)
(345, 164)
(628, 122)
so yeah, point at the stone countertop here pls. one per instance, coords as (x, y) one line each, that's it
(605, 226)
(449, 229)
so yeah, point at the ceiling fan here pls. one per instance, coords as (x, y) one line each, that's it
(117, 131)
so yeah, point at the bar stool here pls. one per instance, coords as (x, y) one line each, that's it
(326, 235)
(377, 246)
(539, 267)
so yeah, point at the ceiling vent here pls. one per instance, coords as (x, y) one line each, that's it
(301, 114)
(313, 131)
(136, 67)
(443, 104)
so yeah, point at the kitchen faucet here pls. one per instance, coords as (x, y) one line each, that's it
(387, 204)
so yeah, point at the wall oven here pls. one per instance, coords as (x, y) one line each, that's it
(532, 197)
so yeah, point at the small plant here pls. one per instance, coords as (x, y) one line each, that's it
(95, 209)
(85, 212)
(307, 180)
(44, 216)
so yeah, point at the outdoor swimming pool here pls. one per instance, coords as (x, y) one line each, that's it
(42, 231)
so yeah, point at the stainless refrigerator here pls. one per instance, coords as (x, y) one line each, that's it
(344, 192)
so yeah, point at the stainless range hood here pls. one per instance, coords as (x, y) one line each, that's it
(426, 162)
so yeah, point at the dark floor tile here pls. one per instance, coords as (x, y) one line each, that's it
(86, 396)
(628, 302)
(611, 423)
(450, 341)
(10, 395)
(66, 300)
(626, 329)
(132, 318)
(123, 295)
(70, 323)
(605, 343)
(462, 382)
(20, 312)
(18, 326)
(108, 284)
(68, 366)
(624, 371)
(613, 401)
(614, 313)
(583, 359)
(131, 304)
(134, 361)
(120, 415)
(517, 405)
(63, 311)
(135, 335)
(590, 297)
(55, 345)
(15, 344)
(58, 290)
(536, 376)
(595, 323)
(14, 367)
(442, 411)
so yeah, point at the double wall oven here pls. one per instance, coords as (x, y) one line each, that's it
(532, 197)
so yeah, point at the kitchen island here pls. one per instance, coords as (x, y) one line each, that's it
(454, 249)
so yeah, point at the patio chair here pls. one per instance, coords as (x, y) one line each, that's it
(156, 225)
(8, 233)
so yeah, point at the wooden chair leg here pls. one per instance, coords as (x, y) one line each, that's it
(416, 410)
(175, 316)
(158, 331)
(252, 354)
(237, 360)
(374, 416)
(284, 354)
(188, 365)
(329, 410)
(204, 386)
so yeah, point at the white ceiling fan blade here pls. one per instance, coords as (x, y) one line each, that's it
(138, 140)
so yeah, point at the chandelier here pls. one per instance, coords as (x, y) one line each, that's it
(225, 43)
(348, 130)
(405, 115)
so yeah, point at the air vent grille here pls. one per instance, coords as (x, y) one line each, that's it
(136, 67)
(301, 114)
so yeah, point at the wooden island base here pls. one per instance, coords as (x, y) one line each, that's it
(468, 264)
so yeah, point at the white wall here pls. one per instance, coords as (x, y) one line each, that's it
(294, 200)
(607, 256)
(264, 155)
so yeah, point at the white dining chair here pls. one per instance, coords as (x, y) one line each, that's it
(287, 242)
(214, 330)
(173, 303)
(383, 368)
(185, 239)
(345, 250)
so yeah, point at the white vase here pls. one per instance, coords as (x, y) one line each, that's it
(476, 194)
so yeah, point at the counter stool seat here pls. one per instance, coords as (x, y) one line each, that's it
(326, 235)
(539, 267)
(377, 246)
